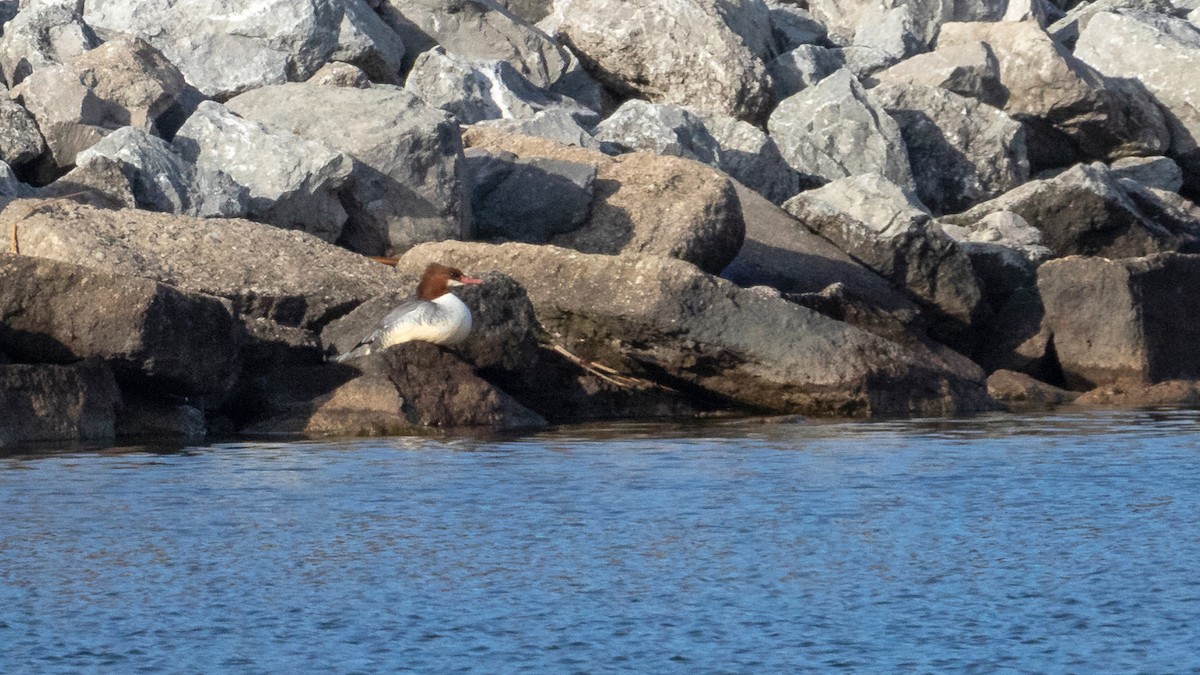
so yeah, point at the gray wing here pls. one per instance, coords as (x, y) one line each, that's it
(411, 311)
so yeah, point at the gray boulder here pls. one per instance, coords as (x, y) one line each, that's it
(644, 203)
(1087, 210)
(969, 69)
(666, 320)
(224, 49)
(406, 185)
(553, 124)
(1162, 173)
(733, 146)
(125, 82)
(162, 180)
(42, 402)
(529, 200)
(287, 276)
(686, 52)
(364, 40)
(843, 18)
(477, 30)
(961, 151)
(41, 36)
(20, 140)
(10, 187)
(295, 188)
(474, 91)
(887, 229)
(1123, 319)
(893, 34)
(815, 127)
(801, 68)
(151, 333)
(1019, 392)
(1071, 111)
(1066, 29)
(1163, 54)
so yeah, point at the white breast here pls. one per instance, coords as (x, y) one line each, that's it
(444, 321)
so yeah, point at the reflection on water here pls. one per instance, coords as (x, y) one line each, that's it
(1037, 543)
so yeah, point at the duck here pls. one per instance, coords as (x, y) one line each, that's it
(434, 315)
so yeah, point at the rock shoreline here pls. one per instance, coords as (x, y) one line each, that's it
(681, 208)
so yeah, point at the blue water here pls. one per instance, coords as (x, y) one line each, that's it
(1055, 543)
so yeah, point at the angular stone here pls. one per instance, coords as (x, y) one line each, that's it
(474, 91)
(816, 126)
(1131, 319)
(149, 332)
(124, 82)
(801, 68)
(40, 36)
(529, 200)
(1153, 172)
(843, 17)
(476, 29)
(686, 52)
(1018, 391)
(1136, 394)
(969, 69)
(1163, 54)
(162, 180)
(407, 182)
(794, 27)
(1089, 211)
(291, 182)
(41, 402)
(222, 47)
(287, 276)
(552, 124)
(961, 151)
(20, 140)
(666, 320)
(1065, 30)
(364, 40)
(338, 74)
(888, 230)
(647, 204)
(1070, 109)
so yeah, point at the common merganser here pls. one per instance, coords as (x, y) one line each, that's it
(435, 315)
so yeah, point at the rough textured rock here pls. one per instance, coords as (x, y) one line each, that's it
(366, 41)
(648, 204)
(961, 151)
(1071, 110)
(407, 182)
(291, 182)
(42, 402)
(1131, 319)
(474, 29)
(844, 17)
(287, 276)
(888, 230)
(162, 180)
(124, 82)
(1004, 249)
(969, 69)
(101, 182)
(60, 313)
(338, 74)
(20, 140)
(1088, 211)
(222, 48)
(400, 390)
(801, 68)
(686, 52)
(40, 36)
(794, 27)
(1065, 30)
(664, 319)
(1137, 394)
(554, 124)
(816, 126)
(1154, 172)
(781, 253)
(735, 147)
(1018, 391)
(1163, 54)
(474, 91)
(529, 200)
(150, 418)
(892, 33)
